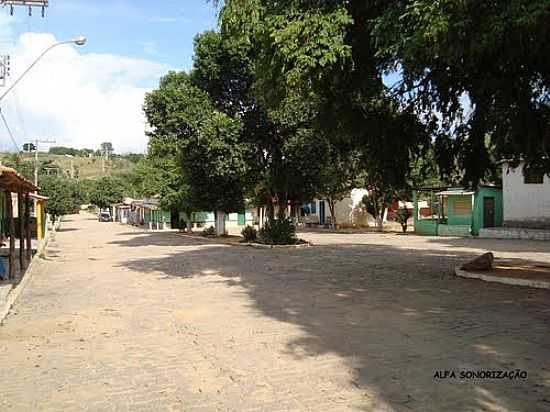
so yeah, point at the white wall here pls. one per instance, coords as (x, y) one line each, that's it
(525, 204)
(349, 211)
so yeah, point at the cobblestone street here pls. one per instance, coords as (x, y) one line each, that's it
(119, 319)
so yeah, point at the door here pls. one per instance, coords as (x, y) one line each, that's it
(321, 212)
(241, 219)
(488, 212)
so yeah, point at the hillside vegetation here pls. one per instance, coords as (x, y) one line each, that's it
(82, 167)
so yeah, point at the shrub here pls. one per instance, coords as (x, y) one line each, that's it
(249, 233)
(209, 231)
(402, 216)
(278, 232)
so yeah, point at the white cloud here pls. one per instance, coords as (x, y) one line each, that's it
(149, 47)
(80, 99)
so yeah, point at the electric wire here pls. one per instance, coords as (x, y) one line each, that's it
(9, 131)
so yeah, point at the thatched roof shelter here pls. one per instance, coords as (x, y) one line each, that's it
(12, 181)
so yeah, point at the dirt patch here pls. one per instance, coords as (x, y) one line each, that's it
(532, 271)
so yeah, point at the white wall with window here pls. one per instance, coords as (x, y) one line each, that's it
(349, 211)
(526, 198)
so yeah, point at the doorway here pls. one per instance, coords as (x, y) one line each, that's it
(488, 212)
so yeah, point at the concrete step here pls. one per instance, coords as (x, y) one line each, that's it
(514, 233)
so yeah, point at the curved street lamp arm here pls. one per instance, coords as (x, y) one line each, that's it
(32, 65)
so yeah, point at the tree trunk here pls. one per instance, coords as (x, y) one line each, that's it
(270, 211)
(282, 207)
(11, 224)
(20, 214)
(331, 207)
(189, 225)
(28, 227)
(220, 223)
(380, 222)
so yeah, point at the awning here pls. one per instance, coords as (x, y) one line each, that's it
(38, 197)
(455, 193)
(12, 181)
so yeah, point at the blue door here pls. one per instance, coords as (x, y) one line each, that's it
(322, 212)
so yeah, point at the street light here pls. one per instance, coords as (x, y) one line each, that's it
(79, 41)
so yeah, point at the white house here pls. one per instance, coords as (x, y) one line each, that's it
(526, 198)
(349, 211)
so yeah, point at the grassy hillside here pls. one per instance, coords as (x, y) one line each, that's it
(83, 167)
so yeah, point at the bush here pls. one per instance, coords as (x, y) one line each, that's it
(209, 231)
(249, 233)
(278, 232)
(402, 216)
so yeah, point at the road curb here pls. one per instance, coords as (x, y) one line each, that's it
(540, 284)
(245, 244)
(15, 292)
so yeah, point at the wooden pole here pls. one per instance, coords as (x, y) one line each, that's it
(11, 223)
(21, 216)
(28, 227)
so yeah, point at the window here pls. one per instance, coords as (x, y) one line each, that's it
(462, 206)
(532, 176)
(313, 208)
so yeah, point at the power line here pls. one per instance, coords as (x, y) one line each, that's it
(9, 131)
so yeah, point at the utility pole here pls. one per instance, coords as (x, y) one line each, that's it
(42, 4)
(36, 141)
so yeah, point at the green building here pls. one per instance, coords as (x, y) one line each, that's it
(456, 211)
(206, 219)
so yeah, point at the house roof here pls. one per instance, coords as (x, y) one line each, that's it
(12, 181)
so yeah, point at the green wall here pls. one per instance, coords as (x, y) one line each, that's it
(457, 219)
(460, 224)
(478, 222)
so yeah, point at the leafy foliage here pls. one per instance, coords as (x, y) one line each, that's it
(106, 191)
(278, 232)
(402, 216)
(482, 56)
(65, 196)
(209, 231)
(249, 233)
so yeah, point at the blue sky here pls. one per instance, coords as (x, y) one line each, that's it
(161, 30)
(82, 96)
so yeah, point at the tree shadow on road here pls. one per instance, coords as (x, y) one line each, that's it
(397, 316)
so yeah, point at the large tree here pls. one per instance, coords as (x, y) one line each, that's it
(317, 69)
(106, 191)
(484, 66)
(64, 195)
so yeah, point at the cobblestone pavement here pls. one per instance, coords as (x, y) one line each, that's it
(118, 319)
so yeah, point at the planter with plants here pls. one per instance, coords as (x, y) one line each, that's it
(209, 231)
(275, 233)
(402, 216)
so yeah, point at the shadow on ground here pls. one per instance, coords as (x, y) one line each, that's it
(397, 316)
(68, 229)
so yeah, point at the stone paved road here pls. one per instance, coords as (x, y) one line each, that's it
(118, 319)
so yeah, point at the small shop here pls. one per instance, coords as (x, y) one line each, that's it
(15, 223)
(456, 211)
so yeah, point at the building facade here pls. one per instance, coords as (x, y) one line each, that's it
(526, 198)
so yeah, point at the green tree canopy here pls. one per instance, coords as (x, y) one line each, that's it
(65, 195)
(105, 191)
(483, 66)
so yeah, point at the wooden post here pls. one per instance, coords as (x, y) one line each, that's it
(11, 223)
(21, 216)
(28, 227)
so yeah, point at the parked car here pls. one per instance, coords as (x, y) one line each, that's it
(105, 217)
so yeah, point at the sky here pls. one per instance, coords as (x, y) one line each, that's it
(82, 96)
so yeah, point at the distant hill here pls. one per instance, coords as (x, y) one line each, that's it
(83, 167)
